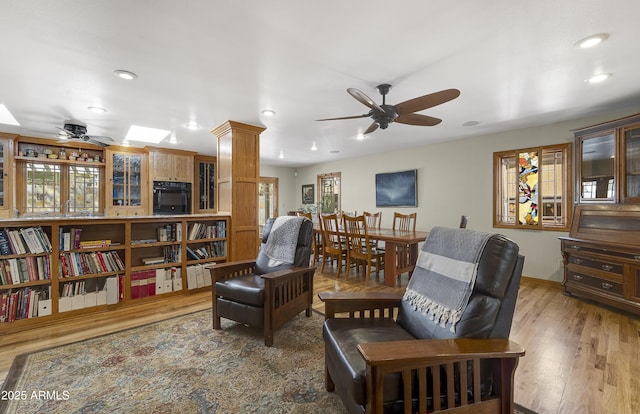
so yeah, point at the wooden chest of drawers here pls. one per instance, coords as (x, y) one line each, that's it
(602, 258)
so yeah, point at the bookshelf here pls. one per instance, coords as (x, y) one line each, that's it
(66, 267)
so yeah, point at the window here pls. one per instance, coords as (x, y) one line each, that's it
(532, 188)
(329, 189)
(267, 200)
(59, 188)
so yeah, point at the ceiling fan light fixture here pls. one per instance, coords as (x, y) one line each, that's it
(360, 136)
(592, 41)
(600, 77)
(125, 74)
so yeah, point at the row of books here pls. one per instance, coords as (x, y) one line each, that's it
(198, 276)
(207, 231)
(24, 303)
(90, 292)
(28, 240)
(212, 249)
(155, 282)
(78, 263)
(24, 269)
(69, 240)
(170, 232)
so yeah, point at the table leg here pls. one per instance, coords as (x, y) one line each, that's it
(390, 270)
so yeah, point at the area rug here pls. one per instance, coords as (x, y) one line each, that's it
(179, 365)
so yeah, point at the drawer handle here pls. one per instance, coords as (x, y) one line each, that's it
(577, 261)
(608, 268)
(637, 257)
(577, 277)
(574, 247)
(607, 286)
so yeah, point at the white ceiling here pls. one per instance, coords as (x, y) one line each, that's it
(514, 62)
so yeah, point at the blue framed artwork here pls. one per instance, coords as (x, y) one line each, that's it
(397, 189)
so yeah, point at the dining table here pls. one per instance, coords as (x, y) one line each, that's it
(394, 241)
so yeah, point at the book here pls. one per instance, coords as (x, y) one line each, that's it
(5, 247)
(153, 260)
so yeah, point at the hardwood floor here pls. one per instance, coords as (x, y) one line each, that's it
(580, 357)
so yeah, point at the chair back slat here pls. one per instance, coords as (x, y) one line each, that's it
(404, 222)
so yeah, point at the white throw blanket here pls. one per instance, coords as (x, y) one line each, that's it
(445, 273)
(282, 241)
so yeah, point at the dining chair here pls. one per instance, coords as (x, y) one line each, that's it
(374, 220)
(316, 243)
(333, 242)
(404, 222)
(361, 250)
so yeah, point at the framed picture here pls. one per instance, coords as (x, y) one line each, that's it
(397, 189)
(308, 195)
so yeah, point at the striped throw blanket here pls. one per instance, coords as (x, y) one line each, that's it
(282, 241)
(445, 273)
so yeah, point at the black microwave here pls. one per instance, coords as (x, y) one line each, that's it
(170, 197)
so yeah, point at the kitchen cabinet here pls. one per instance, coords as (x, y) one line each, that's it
(127, 182)
(170, 165)
(205, 173)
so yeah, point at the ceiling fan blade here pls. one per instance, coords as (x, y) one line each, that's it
(426, 101)
(100, 143)
(417, 119)
(371, 128)
(99, 138)
(64, 131)
(361, 97)
(344, 117)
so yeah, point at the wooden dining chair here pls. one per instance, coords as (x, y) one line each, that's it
(404, 222)
(316, 243)
(334, 244)
(361, 250)
(374, 220)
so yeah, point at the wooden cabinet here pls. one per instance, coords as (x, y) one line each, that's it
(602, 255)
(205, 173)
(71, 267)
(170, 165)
(608, 162)
(6, 176)
(127, 186)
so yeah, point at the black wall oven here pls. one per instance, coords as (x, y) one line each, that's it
(170, 197)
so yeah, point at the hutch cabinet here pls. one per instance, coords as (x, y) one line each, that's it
(127, 182)
(170, 165)
(205, 174)
(6, 176)
(601, 255)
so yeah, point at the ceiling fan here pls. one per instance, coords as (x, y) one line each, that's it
(77, 130)
(385, 114)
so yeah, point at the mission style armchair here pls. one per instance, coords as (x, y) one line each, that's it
(384, 356)
(260, 294)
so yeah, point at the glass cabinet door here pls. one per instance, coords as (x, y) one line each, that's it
(206, 176)
(134, 180)
(118, 180)
(3, 153)
(597, 168)
(631, 148)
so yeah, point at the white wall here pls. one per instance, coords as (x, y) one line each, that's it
(454, 178)
(286, 186)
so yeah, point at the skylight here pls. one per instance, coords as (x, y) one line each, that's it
(144, 134)
(6, 117)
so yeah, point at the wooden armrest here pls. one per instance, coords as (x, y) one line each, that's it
(223, 271)
(357, 303)
(291, 272)
(421, 351)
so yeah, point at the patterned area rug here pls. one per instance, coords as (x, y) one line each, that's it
(180, 366)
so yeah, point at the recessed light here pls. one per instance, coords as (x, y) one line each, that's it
(97, 109)
(598, 78)
(591, 41)
(314, 147)
(471, 123)
(173, 140)
(334, 152)
(281, 155)
(6, 117)
(125, 74)
(268, 112)
(192, 126)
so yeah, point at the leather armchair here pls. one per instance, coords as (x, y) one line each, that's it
(256, 294)
(383, 356)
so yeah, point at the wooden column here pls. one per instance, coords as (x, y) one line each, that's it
(238, 180)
